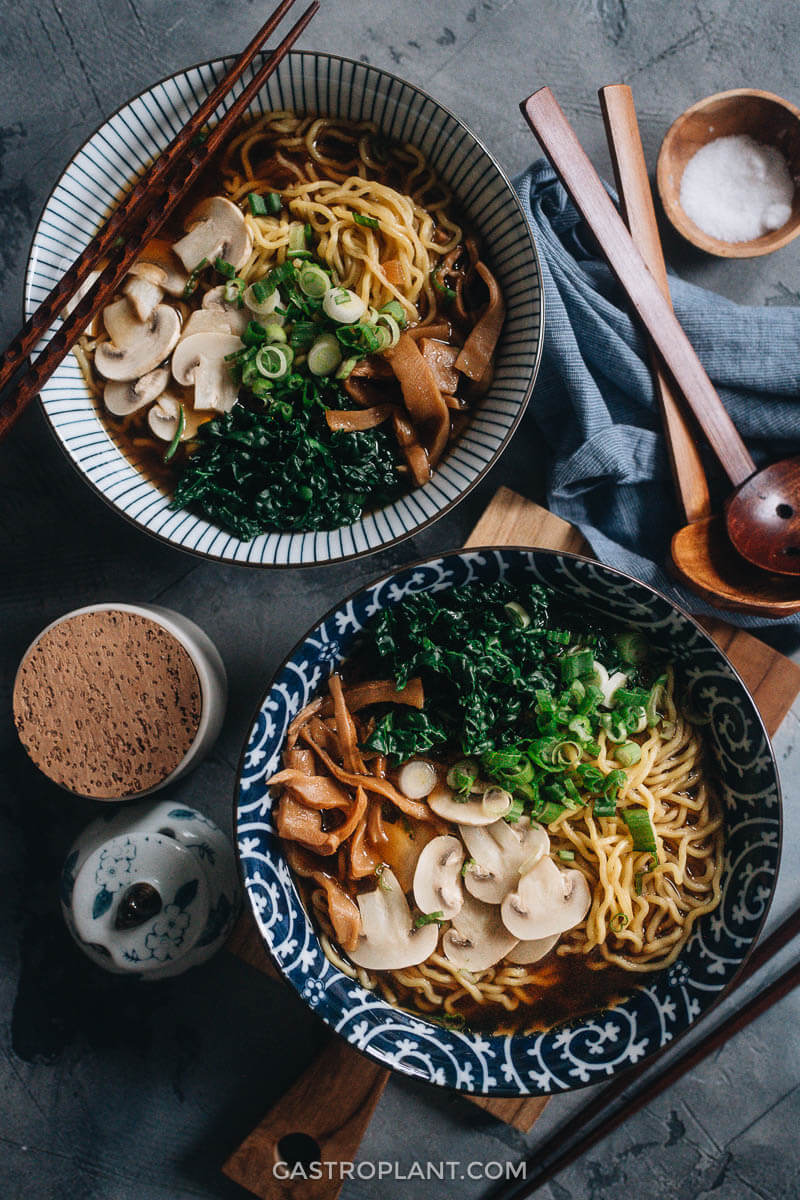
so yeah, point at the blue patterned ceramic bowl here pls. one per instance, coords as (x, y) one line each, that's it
(307, 82)
(588, 1049)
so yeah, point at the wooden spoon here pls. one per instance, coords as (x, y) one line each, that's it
(701, 555)
(756, 537)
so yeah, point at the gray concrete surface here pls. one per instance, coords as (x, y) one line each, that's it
(109, 1092)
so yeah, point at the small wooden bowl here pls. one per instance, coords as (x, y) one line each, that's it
(762, 115)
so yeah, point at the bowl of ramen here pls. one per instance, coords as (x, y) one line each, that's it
(331, 343)
(508, 821)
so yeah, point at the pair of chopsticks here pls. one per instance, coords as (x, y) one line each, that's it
(571, 1147)
(598, 1118)
(138, 218)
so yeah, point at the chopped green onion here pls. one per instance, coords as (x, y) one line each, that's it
(581, 727)
(638, 879)
(462, 775)
(254, 334)
(173, 446)
(225, 268)
(303, 335)
(297, 238)
(567, 855)
(516, 810)
(550, 812)
(193, 280)
(385, 321)
(574, 665)
(234, 290)
(346, 367)
(630, 697)
(470, 862)
(382, 883)
(446, 291)
(273, 203)
(604, 806)
(615, 779)
(640, 829)
(632, 646)
(517, 614)
(257, 206)
(433, 918)
(275, 333)
(273, 361)
(262, 299)
(655, 698)
(395, 309)
(629, 754)
(312, 280)
(324, 356)
(561, 637)
(618, 922)
(308, 232)
(370, 222)
(573, 796)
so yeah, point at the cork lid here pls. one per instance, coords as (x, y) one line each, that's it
(107, 703)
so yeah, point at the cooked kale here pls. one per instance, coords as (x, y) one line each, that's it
(481, 669)
(282, 468)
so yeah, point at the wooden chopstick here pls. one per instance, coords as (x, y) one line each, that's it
(156, 198)
(636, 206)
(129, 209)
(546, 1167)
(586, 190)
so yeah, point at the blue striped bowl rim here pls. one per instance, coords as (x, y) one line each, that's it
(306, 81)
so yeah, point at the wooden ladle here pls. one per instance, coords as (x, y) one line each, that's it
(701, 554)
(757, 538)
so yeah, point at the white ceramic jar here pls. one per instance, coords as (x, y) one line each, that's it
(152, 891)
(211, 680)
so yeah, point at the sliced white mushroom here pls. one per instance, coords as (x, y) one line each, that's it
(499, 851)
(146, 344)
(388, 941)
(437, 879)
(530, 952)
(121, 322)
(123, 398)
(215, 320)
(158, 264)
(416, 778)
(477, 938)
(164, 417)
(216, 229)
(143, 295)
(547, 901)
(608, 684)
(200, 360)
(474, 810)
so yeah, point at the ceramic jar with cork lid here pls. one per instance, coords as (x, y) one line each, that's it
(114, 701)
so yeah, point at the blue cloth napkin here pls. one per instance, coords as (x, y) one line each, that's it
(607, 466)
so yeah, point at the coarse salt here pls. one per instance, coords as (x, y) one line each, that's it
(736, 189)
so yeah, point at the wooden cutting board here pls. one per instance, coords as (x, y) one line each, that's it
(333, 1100)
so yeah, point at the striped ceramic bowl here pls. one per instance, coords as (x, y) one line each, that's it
(307, 82)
